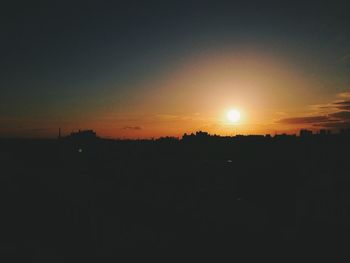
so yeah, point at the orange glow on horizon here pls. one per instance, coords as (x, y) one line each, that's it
(196, 96)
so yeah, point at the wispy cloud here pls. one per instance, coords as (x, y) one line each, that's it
(344, 94)
(342, 105)
(341, 115)
(304, 120)
(335, 114)
(335, 125)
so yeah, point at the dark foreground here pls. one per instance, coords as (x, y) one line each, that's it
(60, 203)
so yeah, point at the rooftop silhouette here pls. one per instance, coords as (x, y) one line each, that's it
(201, 190)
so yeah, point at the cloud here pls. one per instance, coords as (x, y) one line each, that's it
(304, 120)
(335, 114)
(342, 115)
(342, 105)
(335, 105)
(337, 120)
(132, 128)
(344, 94)
(336, 124)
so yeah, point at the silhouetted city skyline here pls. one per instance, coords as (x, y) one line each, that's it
(203, 126)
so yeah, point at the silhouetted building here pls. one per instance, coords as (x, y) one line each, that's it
(325, 132)
(345, 131)
(282, 135)
(199, 136)
(83, 135)
(305, 133)
(202, 134)
(168, 139)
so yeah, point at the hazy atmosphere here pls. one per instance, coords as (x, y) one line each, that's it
(142, 69)
(203, 127)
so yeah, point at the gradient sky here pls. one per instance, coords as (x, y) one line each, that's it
(141, 69)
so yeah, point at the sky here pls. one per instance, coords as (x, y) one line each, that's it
(146, 69)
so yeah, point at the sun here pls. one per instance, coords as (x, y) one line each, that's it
(233, 116)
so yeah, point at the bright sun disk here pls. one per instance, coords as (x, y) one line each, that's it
(233, 116)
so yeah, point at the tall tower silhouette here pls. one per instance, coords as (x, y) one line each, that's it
(59, 133)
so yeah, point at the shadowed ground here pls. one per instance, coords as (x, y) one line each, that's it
(89, 200)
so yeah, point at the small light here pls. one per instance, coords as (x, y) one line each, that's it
(80, 150)
(229, 161)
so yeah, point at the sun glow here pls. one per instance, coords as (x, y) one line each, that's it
(233, 116)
